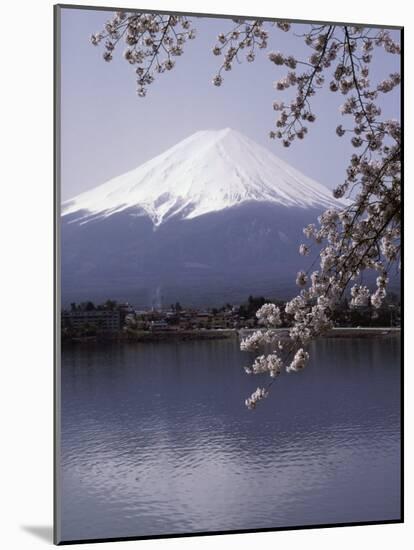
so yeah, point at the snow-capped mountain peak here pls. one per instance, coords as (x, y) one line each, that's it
(207, 172)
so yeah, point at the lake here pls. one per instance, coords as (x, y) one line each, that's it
(156, 438)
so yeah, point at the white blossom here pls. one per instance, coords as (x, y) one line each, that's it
(269, 315)
(276, 58)
(252, 342)
(271, 364)
(301, 278)
(299, 361)
(360, 295)
(258, 395)
(340, 131)
(217, 80)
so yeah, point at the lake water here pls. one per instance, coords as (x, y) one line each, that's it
(156, 439)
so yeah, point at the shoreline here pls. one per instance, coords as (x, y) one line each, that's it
(224, 334)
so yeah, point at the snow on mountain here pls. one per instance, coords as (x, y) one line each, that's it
(206, 172)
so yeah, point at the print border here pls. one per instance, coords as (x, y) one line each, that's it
(57, 274)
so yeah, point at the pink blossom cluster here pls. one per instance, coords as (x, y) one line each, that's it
(153, 41)
(244, 39)
(271, 364)
(258, 395)
(269, 315)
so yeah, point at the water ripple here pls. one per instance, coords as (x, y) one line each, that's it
(155, 439)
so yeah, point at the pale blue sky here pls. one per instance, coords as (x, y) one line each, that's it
(107, 129)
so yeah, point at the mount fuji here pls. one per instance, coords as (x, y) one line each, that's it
(211, 220)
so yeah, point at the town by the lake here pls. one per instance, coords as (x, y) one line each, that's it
(111, 320)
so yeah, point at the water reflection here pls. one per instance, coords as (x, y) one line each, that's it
(156, 439)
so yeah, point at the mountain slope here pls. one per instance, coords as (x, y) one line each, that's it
(207, 172)
(228, 216)
(209, 260)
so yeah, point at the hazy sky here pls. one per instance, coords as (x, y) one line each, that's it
(107, 129)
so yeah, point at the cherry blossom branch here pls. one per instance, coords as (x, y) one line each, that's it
(361, 233)
(145, 35)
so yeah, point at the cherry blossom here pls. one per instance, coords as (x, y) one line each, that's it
(153, 41)
(364, 232)
(256, 396)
